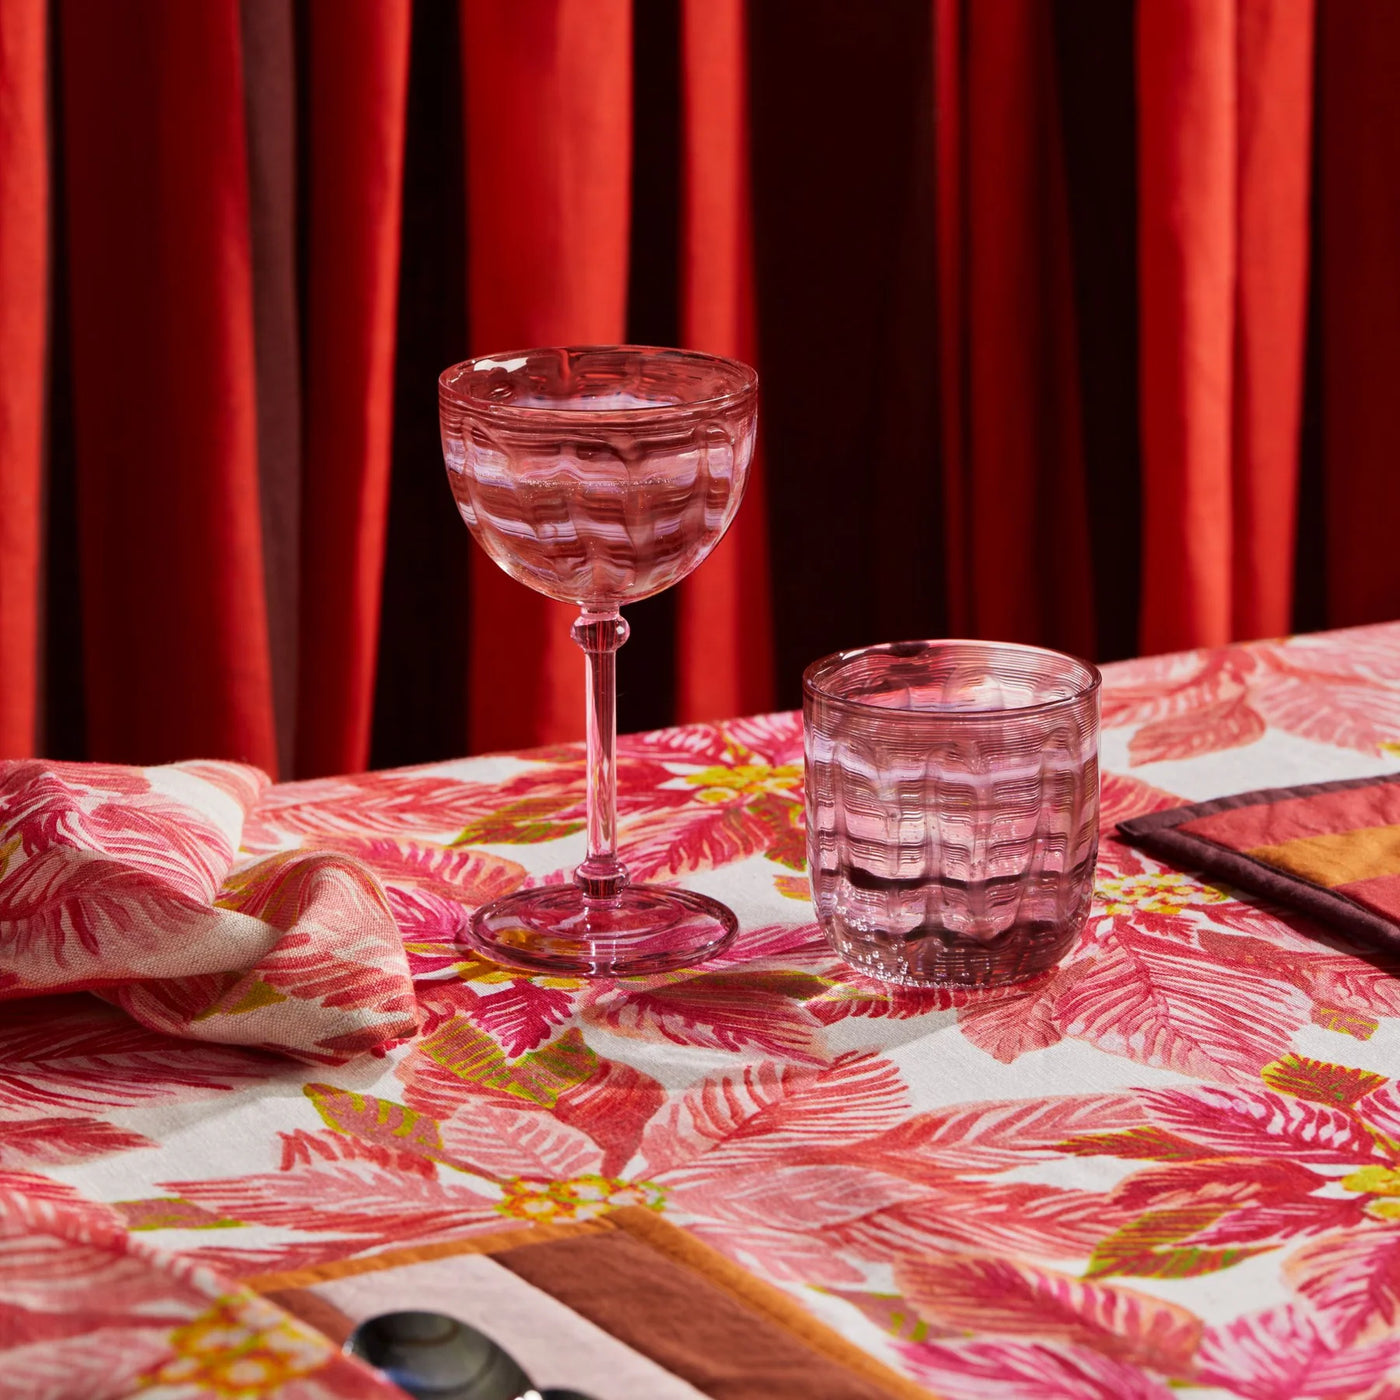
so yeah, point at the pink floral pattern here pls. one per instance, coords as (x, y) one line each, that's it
(1172, 1165)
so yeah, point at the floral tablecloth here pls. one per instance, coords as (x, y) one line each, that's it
(1175, 1164)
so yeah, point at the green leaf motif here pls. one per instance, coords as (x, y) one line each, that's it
(1149, 1247)
(540, 1077)
(1305, 1078)
(380, 1121)
(523, 823)
(1149, 1143)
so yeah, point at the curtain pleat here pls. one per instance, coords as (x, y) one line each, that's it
(356, 105)
(548, 151)
(1274, 130)
(1023, 519)
(1186, 249)
(24, 225)
(174, 614)
(1359, 266)
(1224, 123)
(724, 662)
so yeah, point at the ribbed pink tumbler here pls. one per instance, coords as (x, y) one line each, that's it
(952, 807)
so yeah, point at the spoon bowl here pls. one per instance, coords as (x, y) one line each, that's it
(435, 1357)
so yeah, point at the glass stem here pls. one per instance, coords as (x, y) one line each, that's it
(602, 875)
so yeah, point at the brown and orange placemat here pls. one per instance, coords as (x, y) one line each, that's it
(682, 1319)
(1331, 850)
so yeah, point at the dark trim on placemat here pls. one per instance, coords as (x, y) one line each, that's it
(1159, 834)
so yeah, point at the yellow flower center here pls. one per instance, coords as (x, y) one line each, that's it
(578, 1198)
(746, 781)
(239, 1350)
(1167, 892)
(1377, 1181)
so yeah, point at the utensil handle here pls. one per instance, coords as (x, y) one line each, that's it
(601, 876)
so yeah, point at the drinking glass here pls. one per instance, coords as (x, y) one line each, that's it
(599, 476)
(952, 807)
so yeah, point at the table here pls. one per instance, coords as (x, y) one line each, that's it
(1176, 1162)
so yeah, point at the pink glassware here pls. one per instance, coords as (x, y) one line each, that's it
(952, 794)
(599, 476)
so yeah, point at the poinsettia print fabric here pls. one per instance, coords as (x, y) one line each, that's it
(129, 882)
(1170, 1167)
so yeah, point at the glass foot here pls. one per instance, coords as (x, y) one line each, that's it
(645, 929)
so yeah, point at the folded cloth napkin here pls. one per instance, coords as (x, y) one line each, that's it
(1331, 850)
(126, 882)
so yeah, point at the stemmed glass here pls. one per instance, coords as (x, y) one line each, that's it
(598, 476)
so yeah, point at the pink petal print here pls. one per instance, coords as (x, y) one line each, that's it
(992, 1136)
(612, 1105)
(303, 1148)
(1014, 1217)
(1335, 980)
(1380, 1109)
(407, 802)
(517, 1142)
(700, 836)
(775, 739)
(50, 1141)
(74, 1053)
(1226, 724)
(769, 1112)
(1014, 1025)
(794, 944)
(1159, 687)
(522, 1015)
(1260, 1123)
(1328, 695)
(1027, 1371)
(1282, 1354)
(49, 1273)
(1122, 796)
(783, 1256)
(104, 1364)
(800, 1199)
(984, 1293)
(735, 1011)
(348, 1197)
(698, 744)
(1352, 1279)
(179, 842)
(1157, 1000)
(848, 993)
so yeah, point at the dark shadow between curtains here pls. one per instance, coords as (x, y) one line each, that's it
(846, 345)
(420, 695)
(62, 707)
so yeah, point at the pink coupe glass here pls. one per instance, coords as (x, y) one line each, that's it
(599, 476)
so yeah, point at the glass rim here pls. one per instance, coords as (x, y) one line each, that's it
(827, 666)
(536, 413)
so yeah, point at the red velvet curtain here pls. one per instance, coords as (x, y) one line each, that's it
(202, 323)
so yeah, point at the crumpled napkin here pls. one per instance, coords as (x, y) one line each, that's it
(126, 882)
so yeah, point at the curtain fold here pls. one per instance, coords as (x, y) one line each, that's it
(724, 660)
(174, 614)
(357, 103)
(24, 230)
(548, 149)
(1224, 119)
